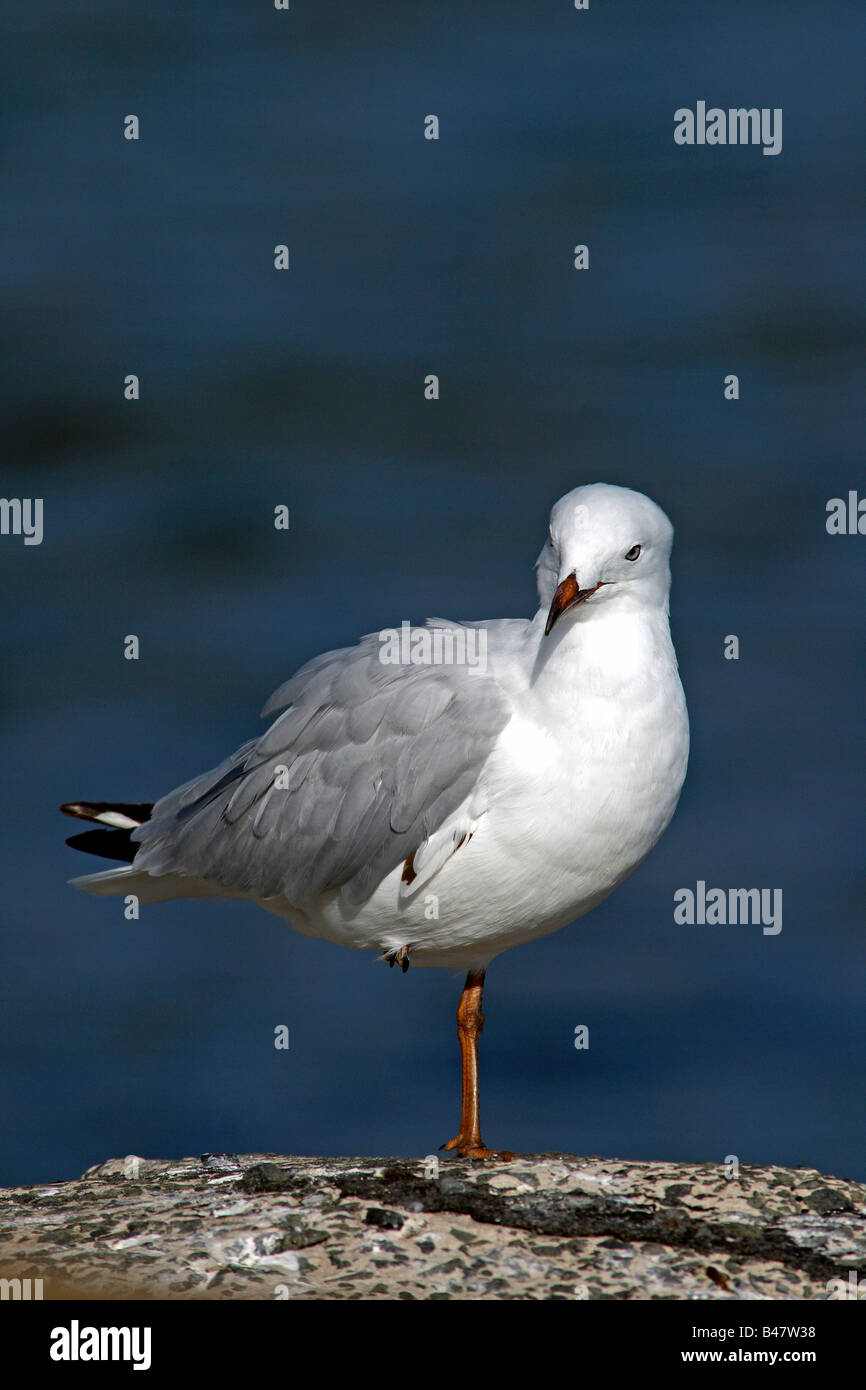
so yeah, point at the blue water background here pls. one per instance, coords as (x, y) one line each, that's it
(305, 388)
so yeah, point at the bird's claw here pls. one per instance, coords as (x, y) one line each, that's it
(475, 1148)
(398, 956)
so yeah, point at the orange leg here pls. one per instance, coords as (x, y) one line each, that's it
(470, 1021)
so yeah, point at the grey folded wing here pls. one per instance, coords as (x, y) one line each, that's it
(365, 762)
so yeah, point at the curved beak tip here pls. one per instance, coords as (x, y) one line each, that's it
(568, 595)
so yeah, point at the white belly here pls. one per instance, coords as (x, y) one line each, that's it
(569, 818)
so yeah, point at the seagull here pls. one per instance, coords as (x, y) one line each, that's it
(440, 812)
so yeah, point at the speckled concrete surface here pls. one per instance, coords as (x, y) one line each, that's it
(550, 1226)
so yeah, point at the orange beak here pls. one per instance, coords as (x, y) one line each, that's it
(568, 595)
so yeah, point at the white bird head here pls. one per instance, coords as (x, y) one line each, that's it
(606, 545)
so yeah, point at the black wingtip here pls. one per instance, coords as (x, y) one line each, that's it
(107, 844)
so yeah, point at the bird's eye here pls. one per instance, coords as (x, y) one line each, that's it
(633, 553)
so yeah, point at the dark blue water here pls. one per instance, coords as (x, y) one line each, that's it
(305, 388)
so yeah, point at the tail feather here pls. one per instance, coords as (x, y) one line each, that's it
(116, 843)
(121, 816)
(126, 879)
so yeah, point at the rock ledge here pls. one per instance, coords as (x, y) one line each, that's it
(548, 1226)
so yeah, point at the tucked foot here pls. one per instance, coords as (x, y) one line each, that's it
(398, 957)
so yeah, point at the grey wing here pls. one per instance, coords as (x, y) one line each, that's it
(367, 761)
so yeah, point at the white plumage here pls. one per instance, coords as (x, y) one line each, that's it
(455, 814)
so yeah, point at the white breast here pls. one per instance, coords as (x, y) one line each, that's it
(581, 785)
